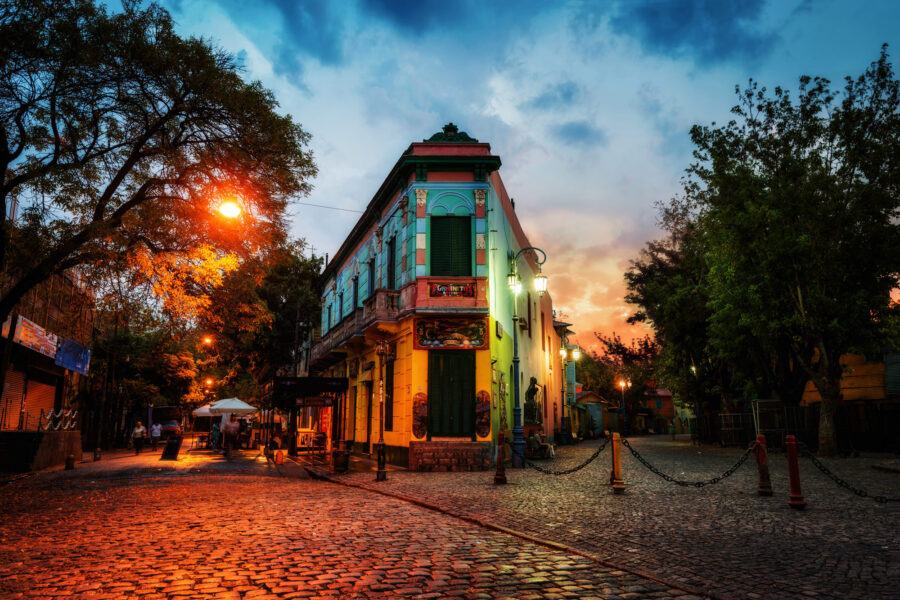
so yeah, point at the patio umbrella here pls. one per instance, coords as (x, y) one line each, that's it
(203, 411)
(231, 406)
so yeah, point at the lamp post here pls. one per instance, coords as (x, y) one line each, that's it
(382, 349)
(622, 384)
(515, 284)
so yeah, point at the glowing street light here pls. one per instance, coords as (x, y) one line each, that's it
(622, 384)
(230, 209)
(209, 381)
(207, 340)
(515, 284)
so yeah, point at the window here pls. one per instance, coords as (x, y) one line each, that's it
(340, 307)
(389, 390)
(372, 278)
(355, 292)
(392, 264)
(328, 321)
(528, 302)
(543, 346)
(451, 246)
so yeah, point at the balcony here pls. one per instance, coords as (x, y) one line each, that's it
(426, 295)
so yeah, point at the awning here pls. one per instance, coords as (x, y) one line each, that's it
(203, 411)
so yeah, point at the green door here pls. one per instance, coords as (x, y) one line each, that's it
(451, 393)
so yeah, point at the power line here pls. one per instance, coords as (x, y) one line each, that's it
(329, 207)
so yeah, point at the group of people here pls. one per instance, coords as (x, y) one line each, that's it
(139, 434)
(232, 431)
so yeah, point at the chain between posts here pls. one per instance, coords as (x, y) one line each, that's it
(697, 484)
(564, 471)
(859, 492)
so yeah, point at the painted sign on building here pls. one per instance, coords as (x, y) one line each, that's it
(73, 356)
(452, 290)
(31, 335)
(463, 334)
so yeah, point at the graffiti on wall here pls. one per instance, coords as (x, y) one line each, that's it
(420, 415)
(483, 414)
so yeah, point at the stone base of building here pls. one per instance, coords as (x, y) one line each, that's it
(22, 451)
(451, 456)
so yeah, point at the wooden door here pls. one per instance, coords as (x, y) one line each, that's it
(451, 393)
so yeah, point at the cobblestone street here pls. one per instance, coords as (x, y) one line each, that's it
(138, 532)
(134, 527)
(722, 539)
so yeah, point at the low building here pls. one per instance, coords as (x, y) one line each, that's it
(424, 277)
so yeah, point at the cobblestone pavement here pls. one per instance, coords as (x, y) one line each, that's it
(133, 532)
(722, 540)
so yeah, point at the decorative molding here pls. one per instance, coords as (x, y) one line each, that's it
(421, 196)
(479, 197)
(451, 134)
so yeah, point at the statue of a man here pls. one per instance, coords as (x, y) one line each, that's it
(532, 413)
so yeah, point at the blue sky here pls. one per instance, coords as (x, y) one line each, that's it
(588, 104)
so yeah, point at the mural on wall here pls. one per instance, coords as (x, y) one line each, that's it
(482, 414)
(420, 415)
(463, 334)
(452, 290)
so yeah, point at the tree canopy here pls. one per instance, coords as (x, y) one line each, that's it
(118, 138)
(788, 243)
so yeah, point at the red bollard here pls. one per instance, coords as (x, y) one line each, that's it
(796, 499)
(762, 463)
(500, 475)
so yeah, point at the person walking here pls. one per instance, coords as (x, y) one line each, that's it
(232, 429)
(155, 434)
(215, 436)
(137, 436)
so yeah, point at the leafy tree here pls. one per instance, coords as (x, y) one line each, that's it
(633, 364)
(264, 310)
(119, 139)
(797, 201)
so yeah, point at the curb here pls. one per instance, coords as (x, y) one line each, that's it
(323, 475)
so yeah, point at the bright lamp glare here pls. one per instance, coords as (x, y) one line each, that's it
(230, 209)
(562, 352)
(540, 283)
(576, 353)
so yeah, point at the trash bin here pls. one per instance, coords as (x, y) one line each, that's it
(173, 445)
(340, 461)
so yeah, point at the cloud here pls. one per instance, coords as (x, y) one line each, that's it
(417, 16)
(557, 96)
(579, 132)
(711, 30)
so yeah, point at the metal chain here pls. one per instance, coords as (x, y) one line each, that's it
(859, 492)
(681, 482)
(564, 471)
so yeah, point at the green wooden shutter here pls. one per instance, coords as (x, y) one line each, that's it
(451, 246)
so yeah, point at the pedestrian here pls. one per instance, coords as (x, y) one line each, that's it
(137, 436)
(232, 428)
(215, 436)
(155, 434)
(672, 428)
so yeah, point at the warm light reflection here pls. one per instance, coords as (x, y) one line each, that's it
(207, 340)
(209, 381)
(230, 209)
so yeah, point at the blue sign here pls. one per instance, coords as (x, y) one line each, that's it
(73, 356)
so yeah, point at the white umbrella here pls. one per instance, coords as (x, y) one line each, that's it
(203, 411)
(231, 406)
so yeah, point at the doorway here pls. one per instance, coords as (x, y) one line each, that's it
(451, 393)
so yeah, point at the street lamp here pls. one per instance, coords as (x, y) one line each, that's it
(622, 384)
(230, 209)
(515, 284)
(383, 350)
(207, 340)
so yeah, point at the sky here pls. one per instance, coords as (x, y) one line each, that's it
(588, 104)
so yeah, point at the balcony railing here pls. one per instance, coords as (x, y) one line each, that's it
(428, 294)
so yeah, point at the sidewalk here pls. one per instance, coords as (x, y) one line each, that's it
(125, 463)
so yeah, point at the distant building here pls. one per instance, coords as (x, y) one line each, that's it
(425, 271)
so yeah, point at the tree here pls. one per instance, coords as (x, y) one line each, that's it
(633, 364)
(264, 311)
(798, 205)
(118, 139)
